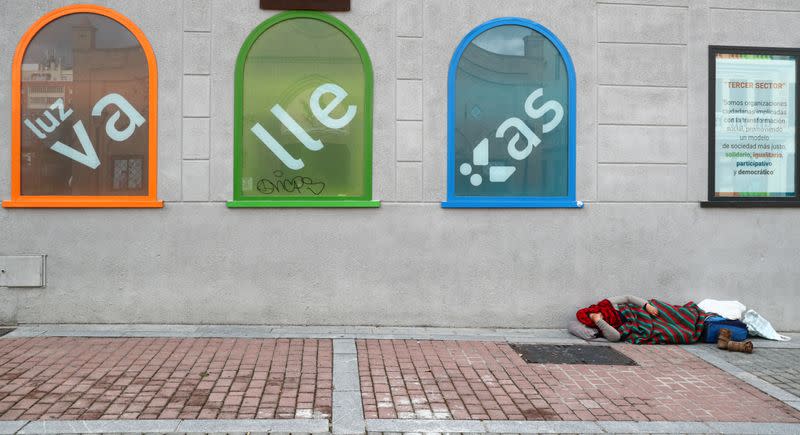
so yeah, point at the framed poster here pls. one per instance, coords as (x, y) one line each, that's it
(752, 126)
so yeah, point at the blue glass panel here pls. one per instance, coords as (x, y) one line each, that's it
(511, 112)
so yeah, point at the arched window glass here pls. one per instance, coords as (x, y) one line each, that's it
(303, 115)
(84, 113)
(511, 120)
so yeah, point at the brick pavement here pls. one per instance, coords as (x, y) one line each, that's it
(164, 378)
(779, 367)
(487, 380)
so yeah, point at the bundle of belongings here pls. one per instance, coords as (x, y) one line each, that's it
(634, 320)
(733, 315)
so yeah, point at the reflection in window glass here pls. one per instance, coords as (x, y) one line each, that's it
(84, 91)
(128, 174)
(511, 116)
(303, 114)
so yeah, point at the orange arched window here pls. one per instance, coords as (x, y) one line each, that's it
(84, 121)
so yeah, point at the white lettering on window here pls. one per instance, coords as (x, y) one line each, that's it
(263, 135)
(513, 151)
(480, 154)
(323, 115)
(550, 106)
(296, 129)
(134, 117)
(89, 156)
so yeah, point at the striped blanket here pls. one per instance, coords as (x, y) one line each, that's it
(674, 324)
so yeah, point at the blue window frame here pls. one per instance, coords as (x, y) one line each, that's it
(511, 119)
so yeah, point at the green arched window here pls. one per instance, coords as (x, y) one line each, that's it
(303, 115)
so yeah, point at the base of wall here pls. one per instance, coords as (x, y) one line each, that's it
(399, 265)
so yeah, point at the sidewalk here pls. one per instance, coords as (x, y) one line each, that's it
(225, 379)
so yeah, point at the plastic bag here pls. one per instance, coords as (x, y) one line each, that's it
(728, 309)
(757, 325)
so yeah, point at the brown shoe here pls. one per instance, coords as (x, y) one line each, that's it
(724, 338)
(740, 346)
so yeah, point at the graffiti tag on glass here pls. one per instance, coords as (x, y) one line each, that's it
(298, 183)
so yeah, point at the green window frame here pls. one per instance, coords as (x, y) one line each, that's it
(293, 190)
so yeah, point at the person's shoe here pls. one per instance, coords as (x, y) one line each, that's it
(740, 346)
(724, 338)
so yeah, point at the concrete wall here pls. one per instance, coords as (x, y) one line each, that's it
(642, 170)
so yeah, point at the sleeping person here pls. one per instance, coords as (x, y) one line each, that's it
(607, 331)
(635, 320)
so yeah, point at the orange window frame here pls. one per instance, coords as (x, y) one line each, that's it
(82, 201)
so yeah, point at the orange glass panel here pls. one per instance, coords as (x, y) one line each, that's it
(70, 65)
(84, 113)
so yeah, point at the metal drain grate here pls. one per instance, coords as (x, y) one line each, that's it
(4, 331)
(572, 354)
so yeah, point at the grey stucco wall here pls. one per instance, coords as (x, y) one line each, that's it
(641, 169)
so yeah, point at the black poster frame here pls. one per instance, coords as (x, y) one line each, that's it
(746, 201)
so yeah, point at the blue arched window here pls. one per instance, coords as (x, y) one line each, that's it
(511, 119)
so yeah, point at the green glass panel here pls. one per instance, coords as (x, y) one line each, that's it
(305, 121)
(511, 86)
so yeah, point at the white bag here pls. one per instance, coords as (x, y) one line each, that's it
(728, 309)
(757, 325)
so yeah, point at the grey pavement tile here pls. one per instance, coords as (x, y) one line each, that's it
(345, 372)
(383, 337)
(24, 332)
(271, 433)
(537, 340)
(794, 343)
(278, 331)
(713, 357)
(344, 345)
(357, 329)
(10, 427)
(154, 327)
(756, 428)
(337, 330)
(348, 416)
(543, 426)
(535, 333)
(756, 363)
(99, 426)
(430, 333)
(794, 404)
(426, 426)
(218, 433)
(249, 426)
(270, 331)
(155, 334)
(433, 330)
(653, 427)
(82, 333)
(234, 331)
(471, 337)
(773, 390)
(103, 330)
(315, 335)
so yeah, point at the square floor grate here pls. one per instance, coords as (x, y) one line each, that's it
(572, 354)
